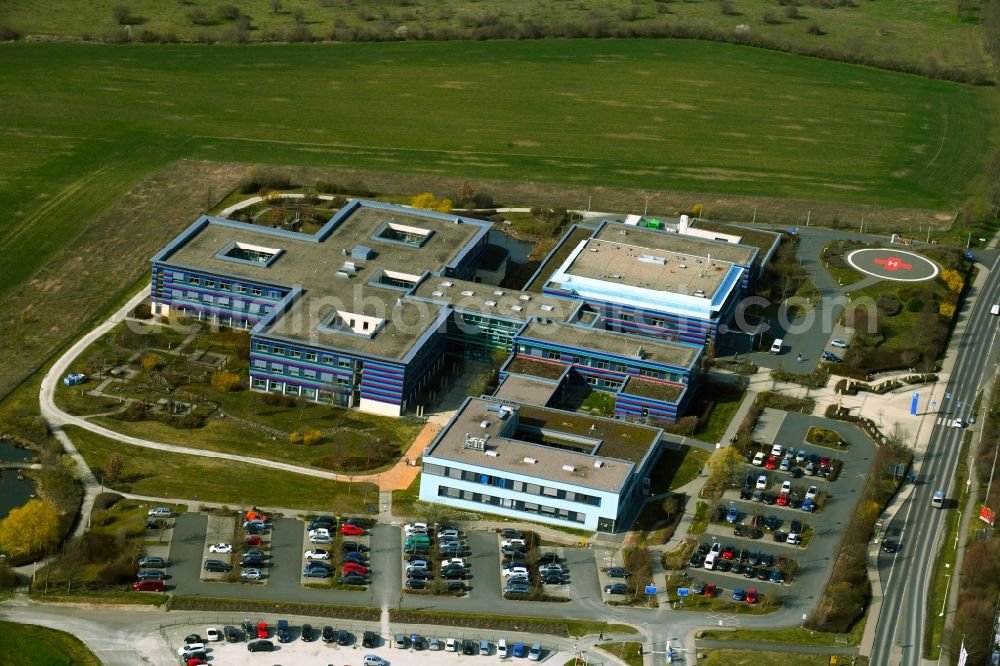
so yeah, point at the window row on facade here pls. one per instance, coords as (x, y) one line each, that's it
(309, 393)
(342, 362)
(512, 504)
(226, 285)
(510, 484)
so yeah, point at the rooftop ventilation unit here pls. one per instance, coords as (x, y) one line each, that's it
(468, 292)
(593, 249)
(474, 443)
(652, 259)
(639, 352)
(505, 411)
(524, 297)
(490, 304)
(498, 293)
(547, 308)
(529, 460)
(447, 284)
(492, 453)
(342, 274)
(598, 464)
(569, 468)
(700, 293)
(616, 276)
(362, 252)
(516, 308)
(437, 293)
(484, 425)
(682, 265)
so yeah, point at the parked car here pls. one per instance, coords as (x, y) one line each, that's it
(307, 634)
(149, 585)
(777, 450)
(313, 571)
(260, 646)
(354, 579)
(252, 540)
(837, 342)
(354, 547)
(519, 650)
(349, 529)
(160, 512)
(616, 588)
(220, 548)
(752, 595)
(762, 482)
(263, 631)
(618, 572)
(251, 573)
(152, 562)
(322, 521)
(511, 533)
(812, 492)
(435, 645)
(317, 554)
(535, 653)
(758, 459)
(786, 465)
(329, 635)
(502, 648)
(321, 538)
(807, 505)
(369, 639)
(217, 566)
(374, 660)
(451, 645)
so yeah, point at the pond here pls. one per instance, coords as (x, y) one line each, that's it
(519, 250)
(14, 491)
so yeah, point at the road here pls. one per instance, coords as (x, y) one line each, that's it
(901, 625)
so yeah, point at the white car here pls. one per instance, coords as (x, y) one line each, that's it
(411, 528)
(451, 645)
(793, 539)
(375, 660)
(958, 423)
(191, 647)
(812, 492)
(716, 548)
(319, 531)
(762, 482)
(220, 548)
(453, 561)
(535, 653)
(786, 487)
(502, 648)
(837, 342)
(758, 460)
(512, 543)
(251, 574)
(515, 571)
(160, 512)
(449, 533)
(317, 554)
(777, 450)
(213, 634)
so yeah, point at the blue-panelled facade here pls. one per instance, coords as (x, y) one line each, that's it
(329, 315)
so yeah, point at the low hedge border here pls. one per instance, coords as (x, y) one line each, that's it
(360, 613)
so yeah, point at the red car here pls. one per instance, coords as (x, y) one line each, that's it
(824, 462)
(262, 630)
(196, 661)
(782, 500)
(252, 540)
(728, 552)
(752, 595)
(355, 568)
(349, 529)
(710, 590)
(771, 463)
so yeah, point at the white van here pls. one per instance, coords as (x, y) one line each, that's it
(995, 310)
(710, 560)
(937, 501)
(777, 345)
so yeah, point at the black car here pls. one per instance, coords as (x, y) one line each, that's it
(152, 562)
(618, 572)
(419, 574)
(321, 521)
(796, 472)
(770, 498)
(217, 566)
(696, 560)
(703, 549)
(416, 584)
(763, 573)
(736, 568)
(369, 639)
(456, 586)
(252, 562)
(357, 558)
(616, 588)
(329, 635)
(354, 547)
(721, 565)
(256, 528)
(720, 513)
(511, 533)
(354, 580)
(748, 571)
(553, 579)
(343, 637)
(746, 493)
(548, 557)
(155, 524)
(796, 526)
(766, 560)
(307, 634)
(453, 574)
(193, 638)
(231, 633)
(771, 523)
(469, 647)
(260, 646)
(249, 628)
(889, 546)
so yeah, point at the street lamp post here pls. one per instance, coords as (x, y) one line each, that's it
(944, 602)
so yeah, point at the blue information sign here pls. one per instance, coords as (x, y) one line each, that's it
(913, 404)
(650, 589)
(682, 591)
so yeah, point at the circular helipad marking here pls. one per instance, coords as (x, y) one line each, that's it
(890, 264)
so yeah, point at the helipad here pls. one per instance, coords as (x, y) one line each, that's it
(892, 264)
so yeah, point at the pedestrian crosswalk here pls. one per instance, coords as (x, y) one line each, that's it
(950, 421)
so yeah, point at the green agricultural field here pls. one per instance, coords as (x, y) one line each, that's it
(887, 31)
(84, 122)
(32, 644)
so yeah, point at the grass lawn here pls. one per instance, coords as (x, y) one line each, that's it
(887, 30)
(846, 134)
(629, 653)
(171, 475)
(723, 602)
(725, 401)
(676, 468)
(32, 644)
(792, 636)
(767, 658)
